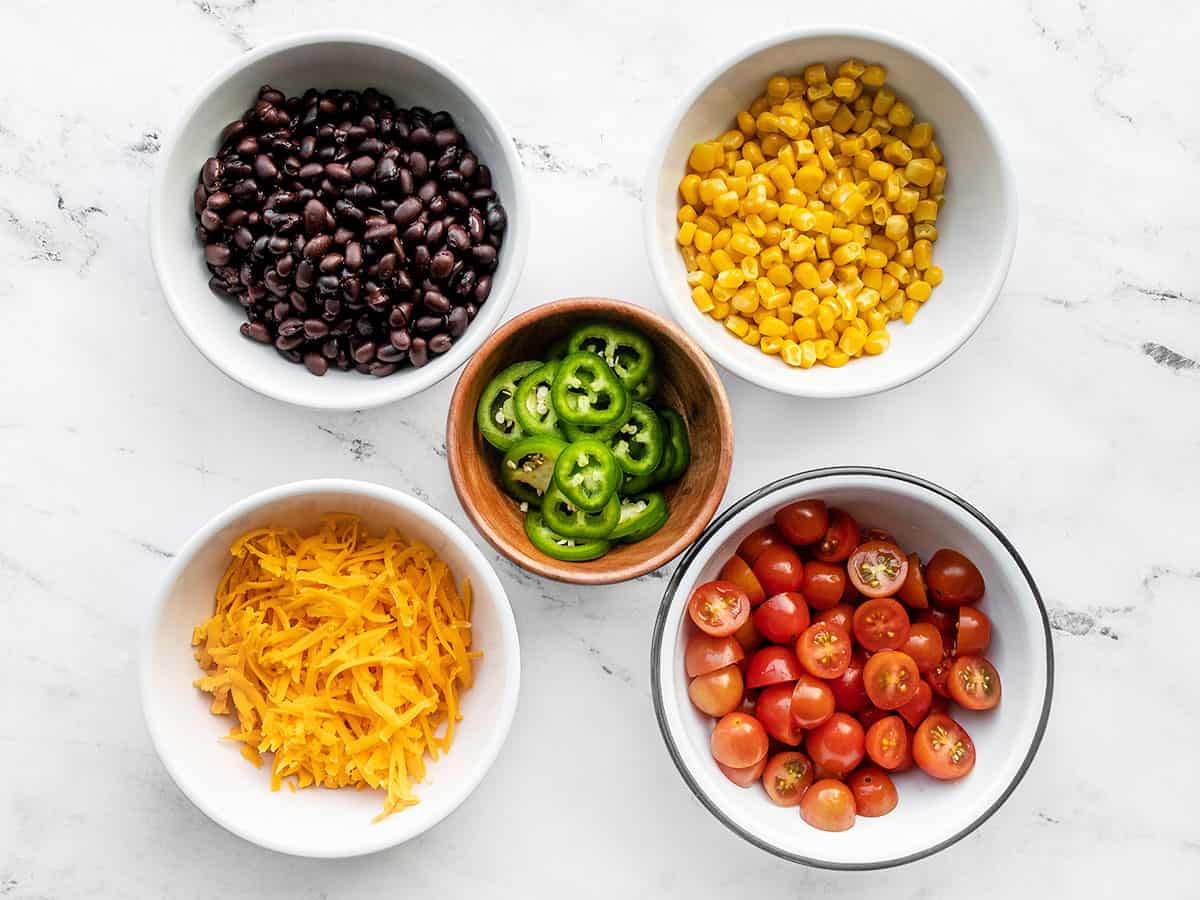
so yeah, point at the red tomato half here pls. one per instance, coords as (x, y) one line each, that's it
(707, 654)
(838, 745)
(925, 646)
(717, 693)
(912, 592)
(874, 792)
(719, 608)
(744, 777)
(787, 777)
(824, 584)
(772, 665)
(973, 632)
(840, 538)
(849, 694)
(953, 579)
(828, 805)
(943, 749)
(891, 679)
(757, 541)
(943, 621)
(812, 702)
(779, 568)
(774, 710)
(748, 636)
(824, 650)
(974, 683)
(803, 522)
(877, 568)
(739, 741)
(737, 571)
(881, 624)
(915, 710)
(841, 615)
(782, 617)
(887, 742)
(939, 677)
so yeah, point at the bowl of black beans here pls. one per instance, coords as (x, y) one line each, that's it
(339, 221)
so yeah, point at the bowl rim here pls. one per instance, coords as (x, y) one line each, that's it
(411, 381)
(656, 647)
(722, 350)
(456, 444)
(152, 618)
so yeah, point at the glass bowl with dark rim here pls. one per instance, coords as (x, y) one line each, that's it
(931, 814)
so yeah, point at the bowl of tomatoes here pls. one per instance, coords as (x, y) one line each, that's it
(852, 668)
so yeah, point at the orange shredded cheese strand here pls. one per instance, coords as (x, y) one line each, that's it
(342, 655)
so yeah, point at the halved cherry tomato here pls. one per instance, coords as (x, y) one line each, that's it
(719, 608)
(757, 541)
(840, 538)
(940, 675)
(787, 777)
(874, 792)
(838, 745)
(916, 709)
(849, 694)
(774, 710)
(906, 762)
(877, 568)
(912, 593)
(974, 683)
(744, 777)
(824, 584)
(828, 805)
(803, 522)
(887, 742)
(771, 665)
(943, 749)
(739, 740)
(881, 624)
(782, 617)
(717, 693)
(841, 615)
(925, 646)
(707, 654)
(891, 679)
(953, 579)
(748, 636)
(812, 702)
(871, 714)
(737, 571)
(940, 619)
(973, 632)
(824, 650)
(778, 569)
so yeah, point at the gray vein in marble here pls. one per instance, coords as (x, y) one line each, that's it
(1078, 622)
(147, 145)
(1162, 295)
(359, 448)
(154, 549)
(223, 14)
(544, 158)
(13, 567)
(1165, 356)
(1107, 68)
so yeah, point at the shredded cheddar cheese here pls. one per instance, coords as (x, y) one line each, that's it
(341, 654)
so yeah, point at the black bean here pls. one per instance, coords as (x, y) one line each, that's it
(354, 256)
(289, 343)
(439, 343)
(436, 302)
(457, 321)
(441, 264)
(483, 288)
(457, 238)
(210, 175)
(407, 212)
(381, 370)
(216, 254)
(256, 331)
(264, 168)
(497, 219)
(338, 172)
(485, 256)
(457, 199)
(311, 170)
(315, 215)
(199, 199)
(418, 163)
(420, 135)
(315, 328)
(428, 324)
(417, 353)
(218, 200)
(330, 262)
(434, 234)
(210, 221)
(362, 166)
(364, 353)
(317, 246)
(316, 363)
(379, 233)
(400, 338)
(389, 354)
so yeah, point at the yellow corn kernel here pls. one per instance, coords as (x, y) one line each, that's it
(801, 247)
(686, 232)
(843, 119)
(779, 275)
(877, 342)
(925, 211)
(720, 311)
(770, 257)
(920, 135)
(922, 252)
(806, 274)
(935, 153)
(874, 258)
(687, 213)
(745, 301)
(804, 302)
(884, 98)
(787, 158)
(888, 286)
(781, 178)
(836, 359)
(852, 341)
(815, 74)
(907, 201)
(839, 235)
(905, 256)
(827, 314)
(898, 153)
(720, 240)
(721, 260)
(872, 277)
(908, 311)
(751, 336)
(895, 227)
(703, 241)
(874, 76)
(737, 325)
(804, 329)
(749, 267)
(772, 144)
(771, 345)
(824, 109)
(706, 156)
(847, 253)
(934, 275)
(704, 262)
(900, 114)
(722, 294)
(846, 89)
(773, 326)
(925, 231)
(819, 92)
(705, 222)
(700, 278)
(920, 171)
(726, 204)
(689, 189)
(778, 87)
(731, 279)
(767, 123)
(825, 289)
(790, 353)
(778, 301)
(825, 269)
(939, 180)
(702, 298)
(822, 347)
(752, 153)
(821, 246)
(791, 127)
(897, 271)
(851, 68)
(745, 124)
(744, 245)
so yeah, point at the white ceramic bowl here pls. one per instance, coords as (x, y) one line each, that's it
(977, 226)
(294, 64)
(931, 815)
(212, 772)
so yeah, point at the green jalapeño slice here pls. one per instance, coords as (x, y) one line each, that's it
(679, 449)
(556, 546)
(494, 415)
(587, 474)
(638, 445)
(627, 353)
(534, 411)
(641, 516)
(587, 392)
(570, 521)
(528, 467)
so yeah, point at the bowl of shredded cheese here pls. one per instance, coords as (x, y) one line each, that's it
(330, 668)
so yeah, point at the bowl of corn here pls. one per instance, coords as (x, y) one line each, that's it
(831, 213)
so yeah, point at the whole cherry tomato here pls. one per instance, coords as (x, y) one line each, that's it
(739, 741)
(838, 745)
(812, 702)
(779, 569)
(952, 579)
(803, 522)
(824, 584)
(782, 617)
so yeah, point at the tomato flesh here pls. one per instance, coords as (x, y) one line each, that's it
(874, 792)
(707, 654)
(717, 693)
(786, 778)
(952, 579)
(774, 710)
(887, 742)
(915, 710)
(803, 522)
(811, 703)
(840, 538)
(881, 624)
(824, 650)
(737, 571)
(891, 679)
(828, 805)
(877, 568)
(782, 617)
(739, 740)
(719, 608)
(912, 592)
(943, 749)
(824, 584)
(974, 683)
(772, 665)
(838, 745)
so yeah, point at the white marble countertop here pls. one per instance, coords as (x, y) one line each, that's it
(1070, 419)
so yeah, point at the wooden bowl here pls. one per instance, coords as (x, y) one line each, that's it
(689, 384)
